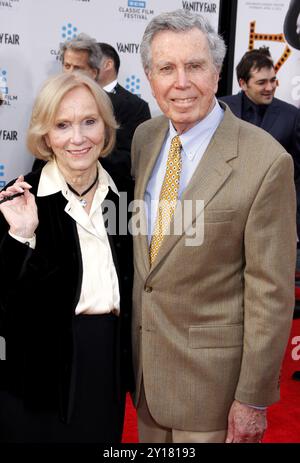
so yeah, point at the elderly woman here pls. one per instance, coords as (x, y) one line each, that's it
(65, 285)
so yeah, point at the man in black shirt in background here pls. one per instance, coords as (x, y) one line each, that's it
(257, 104)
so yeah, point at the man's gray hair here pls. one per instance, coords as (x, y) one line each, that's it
(181, 21)
(83, 42)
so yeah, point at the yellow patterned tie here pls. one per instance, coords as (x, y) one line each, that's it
(167, 198)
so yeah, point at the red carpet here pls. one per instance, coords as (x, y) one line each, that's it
(283, 417)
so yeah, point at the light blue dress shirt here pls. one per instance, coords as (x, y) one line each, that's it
(194, 143)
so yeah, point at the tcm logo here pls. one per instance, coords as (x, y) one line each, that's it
(3, 82)
(136, 10)
(68, 32)
(136, 4)
(2, 183)
(296, 350)
(133, 84)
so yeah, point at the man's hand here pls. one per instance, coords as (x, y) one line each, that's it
(245, 424)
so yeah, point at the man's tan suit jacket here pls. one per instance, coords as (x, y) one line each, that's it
(211, 322)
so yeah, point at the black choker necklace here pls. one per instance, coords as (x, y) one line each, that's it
(83, 202)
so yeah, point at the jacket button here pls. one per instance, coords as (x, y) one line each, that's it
(148, 289)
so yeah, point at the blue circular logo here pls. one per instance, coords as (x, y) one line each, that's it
(69, 32)
(133, 84)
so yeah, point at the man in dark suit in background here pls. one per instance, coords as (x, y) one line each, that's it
(130, 110)
(256, 104)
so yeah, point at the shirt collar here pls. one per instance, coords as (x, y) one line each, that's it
(52, 181)
(111, 86)
(194, 137)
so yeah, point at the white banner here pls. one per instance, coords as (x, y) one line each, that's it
(30, 33)
(272, 24)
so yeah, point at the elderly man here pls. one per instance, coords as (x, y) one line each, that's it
(211, 316)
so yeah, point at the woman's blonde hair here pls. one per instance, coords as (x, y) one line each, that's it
(46, 106)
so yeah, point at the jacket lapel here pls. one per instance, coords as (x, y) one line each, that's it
(151, 150)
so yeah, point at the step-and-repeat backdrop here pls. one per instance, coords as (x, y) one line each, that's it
(30, 33)
(274, 24)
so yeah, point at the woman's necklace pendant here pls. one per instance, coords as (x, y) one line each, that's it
(83, 202)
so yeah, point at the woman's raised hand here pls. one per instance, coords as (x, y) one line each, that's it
(20, 211)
